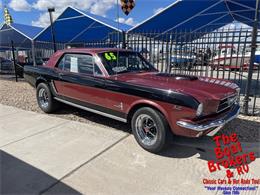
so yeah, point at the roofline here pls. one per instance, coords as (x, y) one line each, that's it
(19, 32)
(164, 9)
(71, 18)
(57, 19)
(10, 25)
(96, 19)
(177, 1)
(44, 29)
(194, 16)
(2, 25)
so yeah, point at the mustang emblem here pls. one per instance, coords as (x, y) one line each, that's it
(120, 106)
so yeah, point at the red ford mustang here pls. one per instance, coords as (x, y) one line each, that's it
(122, 85)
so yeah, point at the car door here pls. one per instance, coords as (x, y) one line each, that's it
(116, 100)
(77, 83)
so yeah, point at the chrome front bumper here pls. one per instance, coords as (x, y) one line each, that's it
(218, 123)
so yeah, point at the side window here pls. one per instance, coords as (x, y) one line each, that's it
(67, 63)
(77, 63)
(85, 64)
(61, 64)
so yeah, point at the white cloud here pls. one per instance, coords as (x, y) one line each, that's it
(20, 5)
(158, 10)
(129, 21)
(42, 5)
(102, 6)
(44, 19)
(98, 7)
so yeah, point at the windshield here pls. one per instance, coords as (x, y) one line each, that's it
(127, 62)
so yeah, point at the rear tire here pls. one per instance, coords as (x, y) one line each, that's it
(45, 98)
(150, 129)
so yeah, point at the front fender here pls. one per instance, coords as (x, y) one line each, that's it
(153, 104)
(39, 80)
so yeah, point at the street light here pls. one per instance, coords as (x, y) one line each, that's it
(50, 10)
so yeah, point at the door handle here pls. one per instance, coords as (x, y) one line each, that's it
(60, 74)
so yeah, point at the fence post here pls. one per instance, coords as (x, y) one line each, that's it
(124, 37)
(252, 58)
(167, 54)
(33, 53)
(14, 61)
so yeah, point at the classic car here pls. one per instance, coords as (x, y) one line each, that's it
(122, 85)
(6, 66)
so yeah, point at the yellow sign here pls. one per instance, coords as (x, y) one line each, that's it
(110, 56)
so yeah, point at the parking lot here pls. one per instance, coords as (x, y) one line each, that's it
(85, 61)
(46, 154)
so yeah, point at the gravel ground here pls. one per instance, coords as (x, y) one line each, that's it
(22, 95)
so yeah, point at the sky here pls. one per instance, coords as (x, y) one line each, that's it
(34, 12)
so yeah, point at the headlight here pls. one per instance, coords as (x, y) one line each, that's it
(199, 110)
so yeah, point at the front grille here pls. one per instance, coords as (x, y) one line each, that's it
(226, 103)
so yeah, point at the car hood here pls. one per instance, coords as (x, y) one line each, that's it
(202, 88)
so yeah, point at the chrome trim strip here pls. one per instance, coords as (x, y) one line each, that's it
(235, 96)
(224, 109)
(53, 87)
(213, 132)
(228, 96)
(91, 110)
(216, 123)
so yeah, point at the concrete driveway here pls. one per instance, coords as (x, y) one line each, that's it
(44, 154)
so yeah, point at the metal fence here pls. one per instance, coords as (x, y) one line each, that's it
(223, 54)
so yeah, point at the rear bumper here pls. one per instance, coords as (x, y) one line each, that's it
(216, 124)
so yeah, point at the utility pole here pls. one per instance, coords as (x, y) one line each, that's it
(51, 10)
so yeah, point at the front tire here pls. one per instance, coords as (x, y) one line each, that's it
(150, 129)
(45, 98)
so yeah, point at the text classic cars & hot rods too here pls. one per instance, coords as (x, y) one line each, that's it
(122, 85)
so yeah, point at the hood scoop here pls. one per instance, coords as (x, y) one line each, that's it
(178, 76)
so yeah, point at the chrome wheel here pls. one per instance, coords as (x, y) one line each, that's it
(43, 98)
(146, 129)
